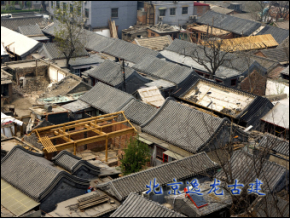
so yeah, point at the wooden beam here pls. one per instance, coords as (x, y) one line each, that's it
(106, 148)
(76, 122)
(121, 132)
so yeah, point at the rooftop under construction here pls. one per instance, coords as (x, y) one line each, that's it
(82, 132)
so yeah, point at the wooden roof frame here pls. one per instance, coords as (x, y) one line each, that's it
(87, 124)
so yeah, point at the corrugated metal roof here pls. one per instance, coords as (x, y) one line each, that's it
(226, 22)
(138, 206)
(154, 43)
(246, 43)
(274, 143)
(279, 34)
(179, 169)
(17, 43)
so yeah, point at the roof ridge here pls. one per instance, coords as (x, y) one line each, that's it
(161, 166)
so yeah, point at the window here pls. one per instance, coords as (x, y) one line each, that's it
(114, 12)
(87, 12)
(203, 36)
(57, 4)
(172, 11)
(64, 6)
(159, 152)
(152, 34)
(185, 10)
(206, 75)
(165, 158)
(51, 4)
(71, 8)
(233, 82)
(162, 12)
(218, 81)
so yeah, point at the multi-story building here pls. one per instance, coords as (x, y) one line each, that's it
(97, 13)
(167, 12)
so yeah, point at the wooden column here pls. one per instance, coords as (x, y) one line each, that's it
(107, 149)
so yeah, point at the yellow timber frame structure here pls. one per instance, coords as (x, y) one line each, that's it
(94, 124)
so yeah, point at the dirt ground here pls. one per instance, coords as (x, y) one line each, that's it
(23, 101)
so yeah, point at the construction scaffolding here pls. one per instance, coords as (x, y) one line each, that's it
(79, 133)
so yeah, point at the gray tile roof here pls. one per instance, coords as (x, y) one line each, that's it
(14, 23)
(245, 170)
(110, 72)
(188, 49)
(91, 40)
(179, 169)
(276, 144)
(96, 42)
(73, 163)
(106, 98)
(93, 59)
(221, 10)
(268, 64)
(215, 203)
(183, 126)
(139, 112)
(269, 207)
(229, 23)
(32, 174)
(128, 51)
(51, 51)
(277, 54)
(30, 30)
(76, 106)
(138, 206)
(279, 34)
(162, 69)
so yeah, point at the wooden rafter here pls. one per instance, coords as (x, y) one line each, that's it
(94, 124)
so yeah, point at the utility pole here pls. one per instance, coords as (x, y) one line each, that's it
(124, 76)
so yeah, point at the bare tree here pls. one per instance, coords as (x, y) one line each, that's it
(280, 9)
(213, 54)
(69, 36)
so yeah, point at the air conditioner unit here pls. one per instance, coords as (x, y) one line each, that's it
(160, 18)
(193, 17)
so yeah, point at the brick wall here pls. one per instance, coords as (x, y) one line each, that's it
(152, 33)
(255, 84)
(200, 10)
(142, 17)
